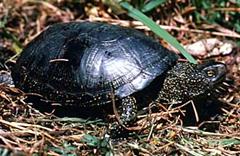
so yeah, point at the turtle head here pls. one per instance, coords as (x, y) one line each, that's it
(186, 81)
(214, 72)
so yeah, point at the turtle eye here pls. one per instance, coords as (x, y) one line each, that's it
(211, 73)
(214, 72)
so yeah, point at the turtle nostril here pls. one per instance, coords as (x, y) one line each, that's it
(222, 69)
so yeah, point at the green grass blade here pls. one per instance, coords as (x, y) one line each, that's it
(136, 14)
(152, 4)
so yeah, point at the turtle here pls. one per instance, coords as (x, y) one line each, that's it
(92, 64)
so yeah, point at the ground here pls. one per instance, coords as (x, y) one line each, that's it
(26, 131)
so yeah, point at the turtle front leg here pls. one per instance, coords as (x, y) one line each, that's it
(127, 115)
(128, 110)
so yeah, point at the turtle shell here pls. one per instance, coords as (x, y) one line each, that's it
(82, 63)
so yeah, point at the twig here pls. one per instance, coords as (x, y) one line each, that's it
(137, 147)
(139, 25)
(193, 131)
